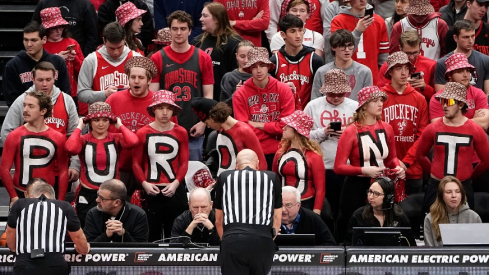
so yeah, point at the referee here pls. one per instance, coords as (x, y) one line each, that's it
(248, 203)
(40, 223)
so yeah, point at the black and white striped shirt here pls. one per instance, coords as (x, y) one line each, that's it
(41, 223)
(248, 196)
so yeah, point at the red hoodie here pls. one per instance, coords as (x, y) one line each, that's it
(268, 105)
(407, 113)
(423, 64)
(431, 38)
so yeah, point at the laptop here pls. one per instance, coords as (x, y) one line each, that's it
(464, 234)
(295, 240)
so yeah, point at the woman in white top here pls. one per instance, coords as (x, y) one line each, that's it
(301, 9)
(450, 207)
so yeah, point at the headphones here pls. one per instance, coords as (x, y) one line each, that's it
(388, 201)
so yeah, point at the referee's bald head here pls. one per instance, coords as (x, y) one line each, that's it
(247, 157)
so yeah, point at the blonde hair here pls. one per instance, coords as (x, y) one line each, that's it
(304, 143)
(360, 115)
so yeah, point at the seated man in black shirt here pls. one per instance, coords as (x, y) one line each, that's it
(197, 223)
(114, 219)
(299, 220)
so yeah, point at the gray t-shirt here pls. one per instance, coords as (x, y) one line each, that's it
(478, 60)
(358, 75)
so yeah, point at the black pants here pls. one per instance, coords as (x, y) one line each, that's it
(269, 159)
(129, 180)
(162, 211)
(334, 183)
(246, 254)
(432, 189)
(50, 264)
(353, 196)
(84, 202)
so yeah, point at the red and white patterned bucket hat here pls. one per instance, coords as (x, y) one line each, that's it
(335, 82)
(300, 121)
(398, 58)
(162, 97)
(100, 110)
(457, 61)
(127, 12)
(51, 17)
(141, 62)
(163, 37)
(419, 7)
(453, 90)
(255, 55)
(368, 94)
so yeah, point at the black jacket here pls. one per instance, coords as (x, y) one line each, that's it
(198, 236)
(106, 14)
(311, 223)
(358, 221)
(133, 220)
(82, 18)
(18, 71)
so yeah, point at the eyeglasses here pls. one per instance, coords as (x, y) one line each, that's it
(290, 205)
(104, 199)
(412, 53)
(344, 47)
(449, 102)
(375, 194)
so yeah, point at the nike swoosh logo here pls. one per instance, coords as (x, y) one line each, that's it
(169, 65)
(104, 67)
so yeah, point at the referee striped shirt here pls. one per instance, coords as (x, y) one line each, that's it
(248, 196)
(41, 223)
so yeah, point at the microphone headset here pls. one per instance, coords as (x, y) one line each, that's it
(388, 188)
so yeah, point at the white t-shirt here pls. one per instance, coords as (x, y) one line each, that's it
(311, 39)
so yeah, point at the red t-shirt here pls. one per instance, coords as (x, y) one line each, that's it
(205, 63)
(365, 146)
(373, 41)
(229, 143)
(476, 99)
(35, 155)
(423, 64)
(407, 113)
(453, 149)
(304, 172)
(99, 157)
(161, 157)
(74, 65)
(133, 114)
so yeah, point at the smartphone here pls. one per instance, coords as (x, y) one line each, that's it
(369, 12)
(335, 125)
(70, 47)
(416, 75)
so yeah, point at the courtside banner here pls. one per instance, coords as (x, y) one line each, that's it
(316, 256)
(420, 260)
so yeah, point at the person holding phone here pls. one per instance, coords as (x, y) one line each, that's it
(331, 114)
(298, 161)
(423, 80)
(59, 43)
(369, 31)
(367, 149)
(406, 111)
